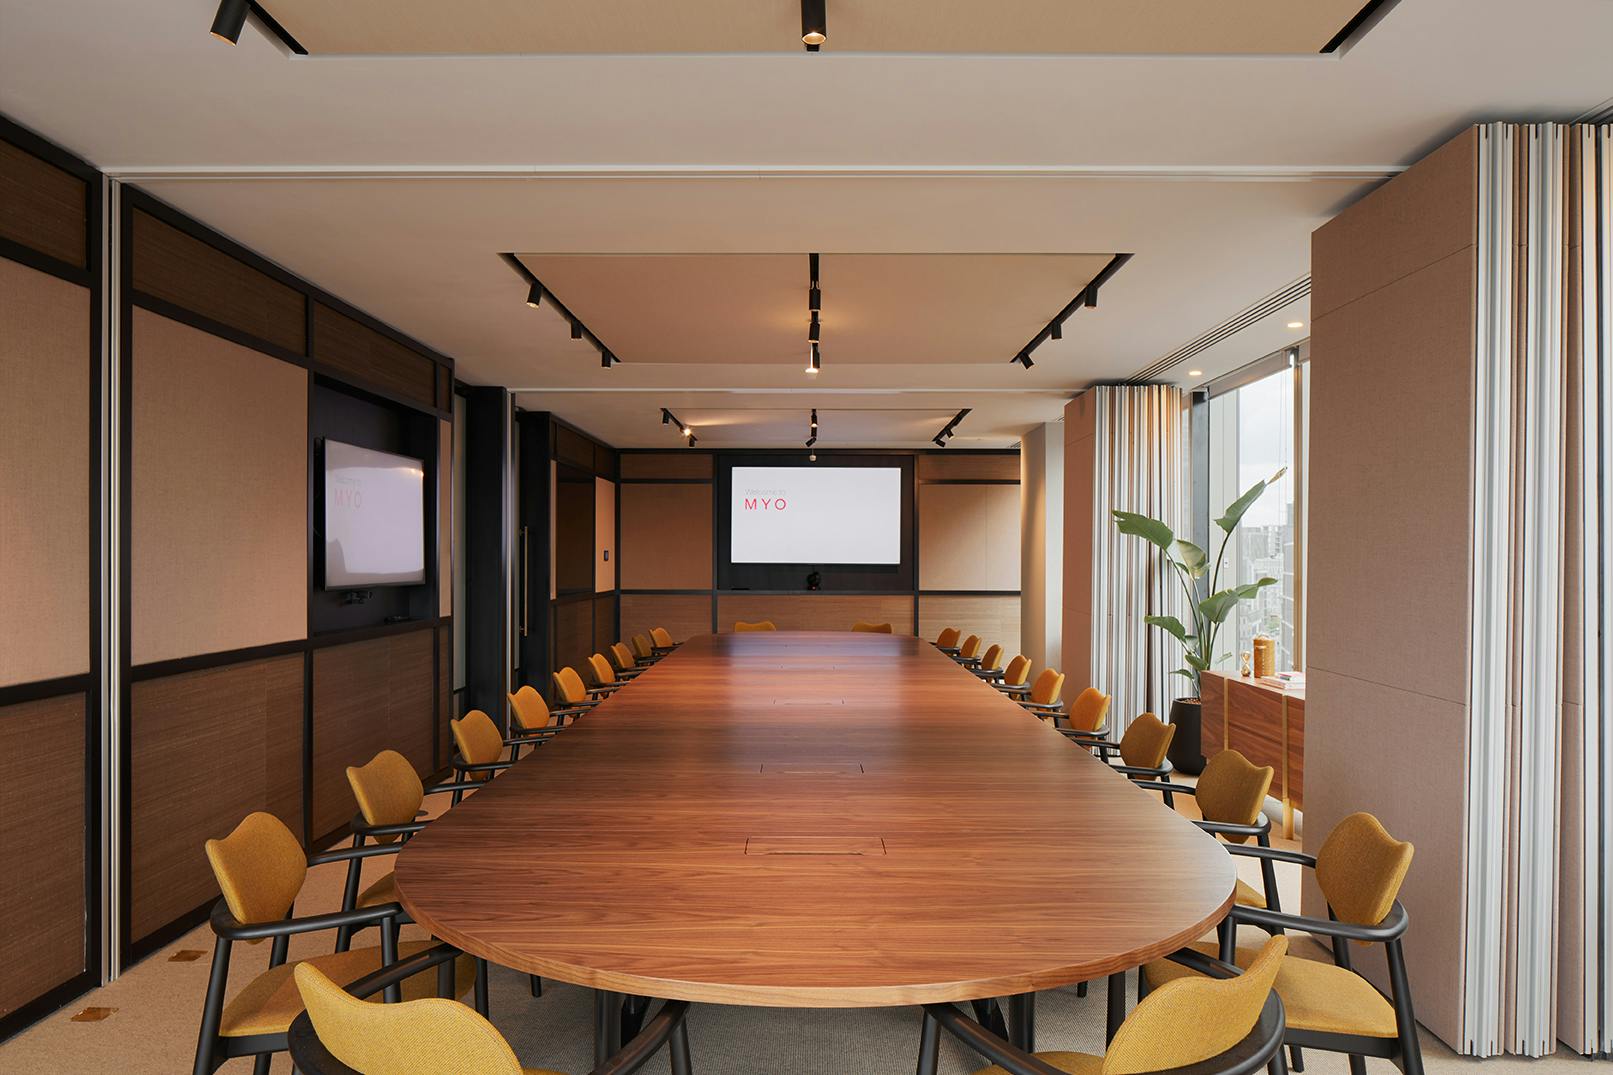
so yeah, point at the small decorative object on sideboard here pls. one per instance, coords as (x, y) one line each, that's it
(1265, 655)
(1246, 666)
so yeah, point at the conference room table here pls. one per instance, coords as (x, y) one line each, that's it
(814, 819)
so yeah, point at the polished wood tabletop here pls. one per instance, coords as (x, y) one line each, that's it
(814, 819)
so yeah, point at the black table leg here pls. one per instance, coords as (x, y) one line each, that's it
(1117, 1005)
(607, 1025)
(1022, 1021)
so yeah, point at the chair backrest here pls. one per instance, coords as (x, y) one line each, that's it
(1018, 671)
(604, 675)
(759, 625)
(621, 656)
(872, 628)
(1146, 741)
(948, 638)
(1360, 867)
(388, 790)
(970, 647)
(478, 740)
(1089, 710)
(643, 648)
(260, 868)
(992, 660)
(400, 1039)
(531, 711)
(661, 636)
(1048, 686)
(1175, 1027)
(569, 686)
(1232, 790)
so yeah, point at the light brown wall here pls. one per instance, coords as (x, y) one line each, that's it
(44, 482)
(994, 619)
(605, 558)
(1080, 468)
(206, 749)
(219, 494)
(666, 537)
(41, 847)
(683, 615)
(816, 612)
(968, 537)
(1392, 346)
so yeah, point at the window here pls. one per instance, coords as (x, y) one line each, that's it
(1257, 427)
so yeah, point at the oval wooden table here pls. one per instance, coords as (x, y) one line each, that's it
(814, 819)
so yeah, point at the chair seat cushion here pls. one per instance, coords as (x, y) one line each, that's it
(1074, 1063)
(386, 891)
(1316, 996)
(1248, 895)
(270, 1002)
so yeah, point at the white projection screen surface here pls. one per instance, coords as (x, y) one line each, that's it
(375, 531)
(816, 515)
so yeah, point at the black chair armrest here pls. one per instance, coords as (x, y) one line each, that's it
(456, 785)
(1228, 829)
(361, 827)
(348, 854)
(1273, 853)
(1393, 925)
(225, 924)
(1137, 770)
(460, 765)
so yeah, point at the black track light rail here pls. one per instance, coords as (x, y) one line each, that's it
(668, 418)
(1086, 297)
(579, 331)
(812, 429)
(947, 430)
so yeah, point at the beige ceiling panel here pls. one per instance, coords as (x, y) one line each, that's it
(409, 27)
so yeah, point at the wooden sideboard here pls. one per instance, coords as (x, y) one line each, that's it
(1265, 724)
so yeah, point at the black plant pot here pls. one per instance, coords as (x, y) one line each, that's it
(1186, 754)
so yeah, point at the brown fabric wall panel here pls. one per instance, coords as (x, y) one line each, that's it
(994, 619)
(206, 749)
(666, 537)
(445, 518)
(572, 447)
(942, 467)
(41, 847)
(373, 358)
(677, 465)
(1080, 469)
(604, 622)
(368, 697)
(969, 537)
(573, 637)
(816, 612)
(219, 496)
(1426, 213)
(174, 267)
(44, 476)
(683, 615)
(43, 207)
(573, 547)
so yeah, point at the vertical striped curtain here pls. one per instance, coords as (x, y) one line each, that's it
(1139, 468)
(1537, 812)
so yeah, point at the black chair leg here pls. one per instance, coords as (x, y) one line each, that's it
(1358, 1064)
(260, 1065)
(633, 1010)
(1277, 1065)
(535, 984)
(1022, 1021)
(930, 1046)
(681, 1064)
(1080, 989)
(1117, 1006)
(1296, 1058)
(481, 988)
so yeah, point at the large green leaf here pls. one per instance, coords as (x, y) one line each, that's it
(1218, 606)
(1182, 672)
(1151, 530)
(1250, 589)
(1171, 624)
(1196, 662)
(1193, 558)
(1236, 509)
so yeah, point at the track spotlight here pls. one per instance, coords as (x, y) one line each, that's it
(1024, 359)
(815, 362)
(231, 17)
(1089, 298)
(606, 358)
(693, 440)
(666, 416)
(814, 329)
(814, 418)
(576, 330)
(940, 442)
(949, 430)
(814, 24)
(815, 296)
(1056, 330)
(687, 432)
(534, 295)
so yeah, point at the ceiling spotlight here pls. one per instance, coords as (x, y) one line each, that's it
(814, 418)
(815, 362)
(230, 19)
(692, 440)
(814, 330)
(1024, 359)
(606, 358)
(1056, 330)
(534, 295)
(1296, 324)
(666, 416)
(1089, 298)
(814, 24)
(687, 432)
(1195, 373)
(940, 441)
(813, 458)
(576, 330)
(814, 296)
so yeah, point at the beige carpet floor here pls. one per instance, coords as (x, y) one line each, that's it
(155, 1008)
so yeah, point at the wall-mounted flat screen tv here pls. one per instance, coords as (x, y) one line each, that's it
(816, 515)
(375, 518)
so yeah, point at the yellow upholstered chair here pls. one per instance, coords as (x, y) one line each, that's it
(260, 868)
(572, 692)
(533, 715)
(1015, 676)
(644, 649)
(662, 639)
(342, 1034)
(990, 665)
(603, 675)
(741, 626)
(622, 659)
(1228, 1023)
(1088, 715)
(872, 628)
(1359, 869)
(1141, 752)
(947, 640)
(1041, 697)
(480, 750)
(968, 653)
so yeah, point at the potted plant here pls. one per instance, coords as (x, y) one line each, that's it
(1191, 564)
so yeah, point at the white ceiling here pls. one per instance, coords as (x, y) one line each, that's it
(396, 182)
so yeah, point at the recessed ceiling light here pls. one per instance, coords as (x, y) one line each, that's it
(1195, 373)
(1296, 324)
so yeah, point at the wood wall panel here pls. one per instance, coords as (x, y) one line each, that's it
(45, 479)
(666, 537)
(573, 448)
(675, 465)
(206, 749)
(683, 615)
(219, 494)
(368, 697)
(573, 637)
(445, 694)
(174, 267)
(445, 518)
(604, 623)
(41, 847)
(816, 612)
(605, 553)
(993, 618)
(946, 466)
(372, 358)
(43, 207)
(969, 537)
